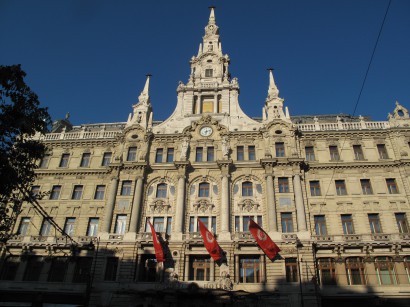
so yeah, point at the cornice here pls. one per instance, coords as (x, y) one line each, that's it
(356, 164)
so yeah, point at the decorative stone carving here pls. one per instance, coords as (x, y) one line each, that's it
(248, 205)
(159, 206)
(203, 206)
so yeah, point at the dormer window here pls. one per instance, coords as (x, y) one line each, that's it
(208, 73)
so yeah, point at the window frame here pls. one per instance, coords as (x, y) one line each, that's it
(65, 157)
(170, 155)
(366, 186)
(162, 190)
(69, 225)
(247, 189)
(283, 185)
(132, 153)
(210, 154)
(392, 187)
(382, 151)
(385, 263)
(126, 187)
(402, 222)
(310, 153)
(286, 219)
(77, 192)
(340, 186)
(374, 223)
(55, 192)
(240, 153)
(92, 227)
(203, 189)
(358, 152)
(291, 269)
(199, 154)
(280, 149)
(320, 225)
(99, 192)
(249, 264)
(120, 224)
(314, 186)
(24, 226)
(251, 153)
(355, 268)
(327, 265)
(106, 160)
(347, 224)
(334, 153)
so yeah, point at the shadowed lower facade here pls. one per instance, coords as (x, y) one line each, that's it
(332, 191)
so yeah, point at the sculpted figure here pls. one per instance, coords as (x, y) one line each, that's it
(225, 146)
(184, 148)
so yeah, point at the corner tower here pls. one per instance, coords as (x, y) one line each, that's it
(210, 90)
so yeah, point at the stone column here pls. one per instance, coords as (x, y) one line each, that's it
(186, 272)
(216, 103)
(224, 234)
(237, 273)
(136, 205)
(180, 200)
(109, 209)
(270, 198)
(300, 208)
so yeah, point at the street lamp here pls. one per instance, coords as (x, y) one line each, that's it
(299, 245)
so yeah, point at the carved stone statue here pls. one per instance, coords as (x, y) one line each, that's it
(184, 148)
(225, 146)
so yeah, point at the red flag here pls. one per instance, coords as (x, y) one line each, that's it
(263, 240)
(159, 253)
(209, 241)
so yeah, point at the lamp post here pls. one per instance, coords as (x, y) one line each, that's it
(299, 245)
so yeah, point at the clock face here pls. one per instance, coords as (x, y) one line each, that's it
(206, 131)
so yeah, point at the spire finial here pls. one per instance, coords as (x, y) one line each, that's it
(212, 15)
(273, 90)
(144, 96)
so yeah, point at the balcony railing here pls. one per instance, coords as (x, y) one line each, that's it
(361, 125)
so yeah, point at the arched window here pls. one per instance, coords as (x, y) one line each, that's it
(203, 189)
(161, 190)
(355, 271)
(385, 270)
(327, 271)
(247, 188)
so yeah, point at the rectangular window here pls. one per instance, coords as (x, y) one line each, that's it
(327, 271)
(99, 192)
(392, 186)
(287, 222)
(82, 269)
(280, 149)
(55, 192)
(340, 187)
(347, 224)
(46, 228)
(69, 225)
(92, 230)
(355, 271)
(381, 149)
(10, 267)
(106, 159)
(240, 153)
(126, 188)
(111, 268)
(250, 271)
(64, 160)
(58, 269)
(374, 221)
(200, 268)
(33, 268)
(203, 189)
(283, 185)
(334, 153)
(158, 155)
(120, 224)
(358, 152)
(132, 154)
(77, 192)
(402, 223)
(251, 153)
(310, 153)
(170, 155)
(315, 188)
(35, 190)
(169, 225)
(366, 186)
(385, 271)
(44, 162)
(159, 224)
(291, 267)
(208, 73)
(210, 153)
(85, 160)
(198, 154)
(320, 225)
(24, 224)
(247, 188)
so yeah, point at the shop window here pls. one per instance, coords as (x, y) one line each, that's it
(327, 271)
(199, 268)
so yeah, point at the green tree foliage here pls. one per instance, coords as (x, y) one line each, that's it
(21, 117)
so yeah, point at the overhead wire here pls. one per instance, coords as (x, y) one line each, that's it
(360, 93)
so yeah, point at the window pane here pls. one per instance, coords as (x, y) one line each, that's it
(161, 190)
(126, 188)
(46, 228)
(106, 159)
(347, 224)
(239, 153)
(210, 154)
(10, 267)
(99, 192)
(198, 156)
(158, 155)
(366, 186)
(280, 149)
(392, 186)
(158, 224)
(381, 148)
(374, 222)
(283, 184)
(121, 224)
(320, 225)
(358, 152)
(85, 160)
(33, 268)
(132, 154)
(251, 153)
(315, 188)
(402, 224)
(44, 161)
(247, 188)
(24, 224)
(169, 225)
(340, 187)
(69, 226)
(203, 189)
(55, 192)
(334, 153)
(310, 153)
(287, 222)
(64, 160)
(170, 154)
(92, 230)
(77, 192)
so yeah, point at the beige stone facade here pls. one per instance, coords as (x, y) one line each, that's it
(331, 191)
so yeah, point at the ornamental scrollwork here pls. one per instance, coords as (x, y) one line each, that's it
(203, 206)
(160, 206)
(248, 205)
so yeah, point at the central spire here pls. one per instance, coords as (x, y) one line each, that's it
(212, 15)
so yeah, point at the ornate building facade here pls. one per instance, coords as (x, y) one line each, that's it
(332, 192)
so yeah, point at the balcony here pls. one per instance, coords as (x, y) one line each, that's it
(289, 237)
(380, 237)
(241, 236)
(324, 238)
(352, 238)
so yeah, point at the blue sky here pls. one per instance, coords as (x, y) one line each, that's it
(90, 58)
